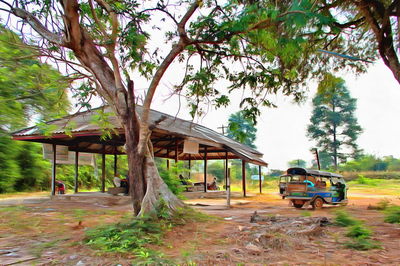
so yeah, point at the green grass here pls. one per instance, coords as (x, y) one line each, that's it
(376, 186)
(343, 219)
(134, 235)
(359, 234)
(392, 214)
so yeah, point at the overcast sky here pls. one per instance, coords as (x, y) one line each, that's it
(281, 135)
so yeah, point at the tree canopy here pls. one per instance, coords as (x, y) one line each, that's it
(333, 124)
(242, 129)
(29, 88)
(297, 163)
(259, 47)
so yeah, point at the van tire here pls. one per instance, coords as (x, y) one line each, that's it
(317, 203)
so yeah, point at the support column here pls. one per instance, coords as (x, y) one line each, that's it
(226, 170)
(115, 165)
(228, 188)
(176, 151)
(259, 176)
(190, 164)
(205, 169)
(244, 177)
(76, 171)
(53, 172)
(103, 170)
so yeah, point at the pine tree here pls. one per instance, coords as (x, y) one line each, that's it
(333, 124)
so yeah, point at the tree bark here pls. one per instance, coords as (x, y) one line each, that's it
(156, 187)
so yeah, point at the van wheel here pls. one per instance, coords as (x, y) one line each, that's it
(317, 203)
(297, 204)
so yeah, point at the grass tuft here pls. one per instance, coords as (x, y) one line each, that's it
(392, 214)
(344, 219)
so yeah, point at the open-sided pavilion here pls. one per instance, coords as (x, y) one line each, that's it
(80, 134)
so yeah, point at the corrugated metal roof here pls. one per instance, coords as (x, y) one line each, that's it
(83, 123)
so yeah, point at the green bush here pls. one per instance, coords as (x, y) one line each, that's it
(392, 214)
(359, 231)
(343, 219)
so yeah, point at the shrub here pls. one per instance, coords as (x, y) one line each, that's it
(343, 219)
(359, 231)
(392, 214)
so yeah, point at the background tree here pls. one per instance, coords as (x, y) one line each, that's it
(297, 163)
(333, 124)
(260, 47)
(29, 89)
(242, 129)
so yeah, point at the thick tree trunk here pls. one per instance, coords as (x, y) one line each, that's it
(156, 188)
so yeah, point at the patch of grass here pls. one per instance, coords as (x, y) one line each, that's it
(150, 257)
(344, 219)
(392, 214)
(134, 235)
(360, 235)
(361, 244)
(359, 231)
(367, 181)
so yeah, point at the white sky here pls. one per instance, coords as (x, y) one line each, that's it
(281, 132)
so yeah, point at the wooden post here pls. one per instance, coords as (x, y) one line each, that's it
(190, 164)
(115, 164)
(103, 170)
(76, 171)
(259, 176)
(228, 188)
(205, 169)
(226, 170)
(176, 151)
(53, 172)
(244, 177)
(168, 159)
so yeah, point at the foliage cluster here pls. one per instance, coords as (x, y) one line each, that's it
(134, 235)
(366, 181)
(392, 214)
(372, 175)
(360, 235)
(372, 163)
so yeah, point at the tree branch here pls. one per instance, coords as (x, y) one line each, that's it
(38, 26)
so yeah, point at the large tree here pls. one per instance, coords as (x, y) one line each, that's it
(373, 23)
(333, 124)
(261, 47)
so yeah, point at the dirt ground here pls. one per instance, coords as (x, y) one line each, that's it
(50, 233)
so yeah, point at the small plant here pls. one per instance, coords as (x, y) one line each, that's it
(343, 219)
(359, 231)
(383, 204)
(392, 214)
(361, 244)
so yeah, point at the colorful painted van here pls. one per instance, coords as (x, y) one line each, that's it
(306, 186)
